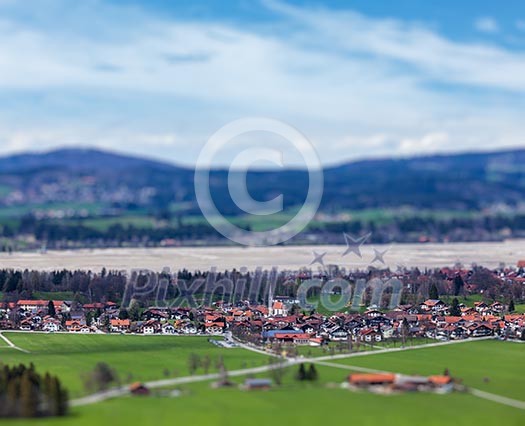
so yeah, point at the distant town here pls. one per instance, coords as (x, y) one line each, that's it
(443, 304)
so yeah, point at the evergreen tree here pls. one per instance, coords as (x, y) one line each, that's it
(433, 292)
(28, 396)
(134, 311)
(458, 284)
(511, 306)
(61, 398)
(51, 309)
(312, 374)
(24, 393)
(454, 308)
(405, 330)
(301, 373)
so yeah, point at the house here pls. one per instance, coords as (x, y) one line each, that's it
(168, 328)
(84, 329)
(119, 326)
(32, 305)
(378, 320)
(370, 335)
(372, 313)
(77, 315)
(481, 330)
(278, 309)
(26, 325)
(480, 306)
(409, 309)
(138, 389)
(73, 326)
(315, 342)
(338, 334)
(432, 305)
(308, 328)
(151, 327)
(440, 381)
(285, 336)
(258, 384)
(155, 314)
(456, 332)
(467, 311)
(295, 338)
(189, 328)
(214, 327)
(497, 307)
(373, 379)
(41, 305)
(401, 382)
(51, 326)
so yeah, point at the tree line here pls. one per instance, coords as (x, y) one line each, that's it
(89, 287)
(26, 393)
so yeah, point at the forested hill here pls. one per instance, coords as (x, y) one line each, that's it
(462, 181)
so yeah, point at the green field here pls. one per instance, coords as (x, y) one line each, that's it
(519, 308)
(103, 224)
(141, 358)
(491, 366)
(293, 403)
(54, 295)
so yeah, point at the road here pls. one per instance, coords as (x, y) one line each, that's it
(113, 393)
(12, 345)
(325, 361)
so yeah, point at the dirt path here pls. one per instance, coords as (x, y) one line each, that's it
(12, 345)
(124, 390)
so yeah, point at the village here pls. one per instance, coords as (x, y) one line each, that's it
(273, 324)
(464, 311)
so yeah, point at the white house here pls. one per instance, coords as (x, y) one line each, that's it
(278, 309)
(168, 329)
(51, 326)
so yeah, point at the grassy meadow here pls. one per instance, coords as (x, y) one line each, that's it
(488, 365)
(323, 402)
(135, 358)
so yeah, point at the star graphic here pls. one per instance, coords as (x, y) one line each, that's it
(353, 245)
(378, 256)
(318, 258)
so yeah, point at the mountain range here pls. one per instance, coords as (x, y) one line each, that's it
(467, 181)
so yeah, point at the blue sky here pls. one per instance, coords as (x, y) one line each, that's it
(359, 78)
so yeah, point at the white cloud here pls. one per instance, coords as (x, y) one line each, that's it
(437, 57)
(428, 143)
(487, 25)
(331, 74)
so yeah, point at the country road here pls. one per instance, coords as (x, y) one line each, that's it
(11, 344)
(324, 361)
(124, 390)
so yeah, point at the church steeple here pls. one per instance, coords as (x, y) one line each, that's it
(270, 299)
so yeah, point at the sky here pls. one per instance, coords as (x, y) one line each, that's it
(358, 78)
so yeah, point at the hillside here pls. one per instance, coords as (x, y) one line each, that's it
(464, 181)
(90, 195)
